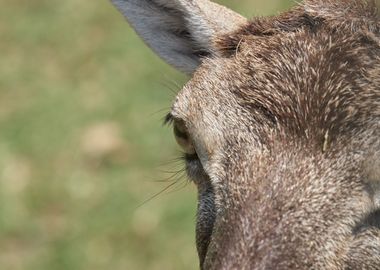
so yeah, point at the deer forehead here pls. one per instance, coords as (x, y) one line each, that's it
(302, 80)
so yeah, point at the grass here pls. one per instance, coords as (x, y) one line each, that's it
(81, 142)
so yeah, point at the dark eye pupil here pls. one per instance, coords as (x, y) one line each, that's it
(180, 134)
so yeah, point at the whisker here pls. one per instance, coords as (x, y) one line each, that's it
(156, 195)
(172, 89)
(172, 161)
(171, 172)
(182, 179)
(175, 177)
(166, 109)
(172, 81)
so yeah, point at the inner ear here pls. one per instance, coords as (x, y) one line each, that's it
(180, 31)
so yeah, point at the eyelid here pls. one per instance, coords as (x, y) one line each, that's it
(180, 130)
(181, 133)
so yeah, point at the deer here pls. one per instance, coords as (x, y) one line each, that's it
(279, 124)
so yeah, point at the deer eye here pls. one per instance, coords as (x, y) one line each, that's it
(183, 138)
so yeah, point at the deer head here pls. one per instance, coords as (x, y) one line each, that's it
(280, 126)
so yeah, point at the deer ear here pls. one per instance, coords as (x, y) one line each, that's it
(180, 31)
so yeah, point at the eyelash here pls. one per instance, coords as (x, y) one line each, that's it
(168, 119)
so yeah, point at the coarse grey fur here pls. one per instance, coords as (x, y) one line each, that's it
(280, 124)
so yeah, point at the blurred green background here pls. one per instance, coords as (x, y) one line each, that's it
(81, 142)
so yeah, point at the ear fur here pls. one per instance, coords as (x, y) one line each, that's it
(179, 31)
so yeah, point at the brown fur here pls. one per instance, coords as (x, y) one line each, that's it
(284, 116)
